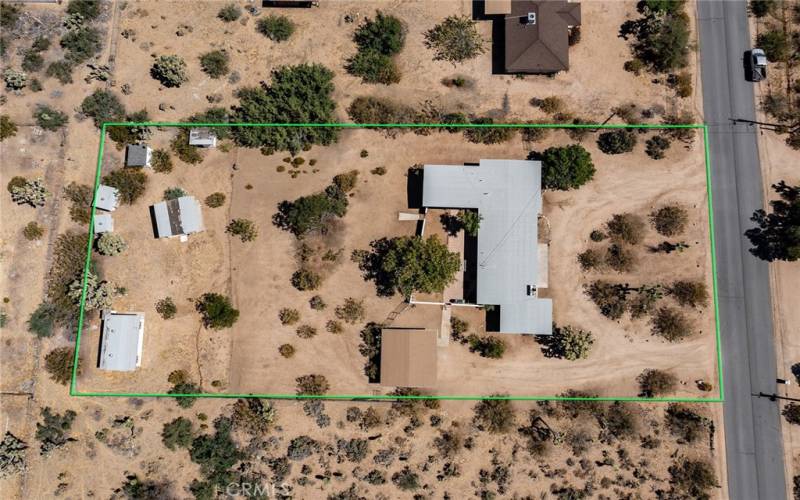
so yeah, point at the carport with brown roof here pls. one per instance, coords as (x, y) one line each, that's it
(408, 357)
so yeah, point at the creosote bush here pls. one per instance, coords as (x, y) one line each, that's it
(215, 200)
(80, 196)
(352, 311)
(289, 316)
(670, 220)
(166, 308)
(670, 324)
(626, 228)
(689, 293)
(48, 118)
(58, 364)
(7, 127)
(217, 311)
(656, 383)
(494, 415)
(656, 147)
(315, 385)
(617, 141)
(33, 231)
(306, 279)
(306, 331)
(130, 182)
(276, 28)
(229, 13)
(215, 63)
(245, 229)
(286, 350)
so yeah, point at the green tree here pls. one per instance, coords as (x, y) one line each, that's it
(81, 44)
(217, 311)
(566, 167)
(775, 45)
(87, 9)
(617, 141)
(352, 311)
(456, 39)
(170, 70)
(656, 383)
(245, 229)
(488, 347)
(53, 431)
(177, 433)
(410, 264)
(471, 221)
(385, 34)
(305, 279)
(791, 412)
(777, 234)
(49, 118)
(276, 28)
(569, 343)
(661, 37)
(215, 63)
(103, 106)
(297, 94)
(216, 454)
(762, 8)
(130, 182)
(61, 71)
(313, 213)
(373, 67)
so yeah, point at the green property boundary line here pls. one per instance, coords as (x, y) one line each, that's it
(73, 391)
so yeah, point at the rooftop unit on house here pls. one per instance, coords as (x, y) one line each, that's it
(121, 341)
(103, 223)
(138, 155)
(179, 217)
(202, 137)
(536, 33)
(507, 195)
(106, 198)
(408, 357)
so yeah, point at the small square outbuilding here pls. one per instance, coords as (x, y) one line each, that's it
(103, 223)
(138, 155)
(121, 342)
(408, 357)
(106, 198)
(202, 137)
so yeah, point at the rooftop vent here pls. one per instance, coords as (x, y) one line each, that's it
(531, 18)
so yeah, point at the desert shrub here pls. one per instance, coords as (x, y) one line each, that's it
(124, 135)
(347, 181)
(620, 258)
(61, 71)
(644, 302)
(626, 228)
(406, 479)
(286, 350)
(301, 448)
(488, 347)
(166, 308)
(49, 118)
(181, 385)
(87, 9)
(245, 229)
(373, 67)
(130, 182)
(689, 293)
(9, 15)
(579, 439)
(305, 279)
(215, 63)
(550, 105)
(229, 13)
(458, 327)
(32, 62)
(254, 416)
(791, 412)
(378, 41)
(591, 258)
(682, 83)
(170, 70)
(58, 364)
(161, 161)
(297, 94)
(534, 134)
(33, 231)
(288, 316)
(410, 264)
(610, 298)
(494, 415)
(276, 28)
(352, 311)
(81, 44)
(217, 311)
(99, 293)
(661, 38)
(177, 433)
(597, 236)
(216, 454)
(7, 127)
(656, 146)
(27, 192)
(670, 220)
(355, 449)
(42, 321)
(333, 326)
(313, 213)
(656, 383)
(775, 44)
(692, 478)
(762, 8)
(488, 135)
(368, 109)
(111, 244)
(617, 141)
(470, 221)
(570, 343)
(317, 303)
(685, 135)
(566, 167)
(306, 331)
(215, 200)
(53, 431)
(183, 150)
(685, 424)
(775, 236)
(621, 420)
(670, 324)
(103, 106)
(456, 39)
(315, 385)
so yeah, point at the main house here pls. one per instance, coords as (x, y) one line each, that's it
(507, 195)
(177, 217)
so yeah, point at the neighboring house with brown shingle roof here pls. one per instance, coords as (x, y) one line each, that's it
(536, 34)
(408, 357)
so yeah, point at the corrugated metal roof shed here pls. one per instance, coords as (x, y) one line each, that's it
(507, 194)
(137, 155)
(122, 339)
(103, 223)
(202, 137)
(177, 217)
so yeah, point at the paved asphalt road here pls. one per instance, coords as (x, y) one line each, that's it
(752, 424)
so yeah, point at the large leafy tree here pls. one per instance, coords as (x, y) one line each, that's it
(566, 167)
(777, 235)
(411, 264)
(456, 39)
(297, 94)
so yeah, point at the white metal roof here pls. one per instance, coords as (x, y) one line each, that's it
(103, 223)
(178, 217)
(507, 194)
(121, 344)
(107, 198)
